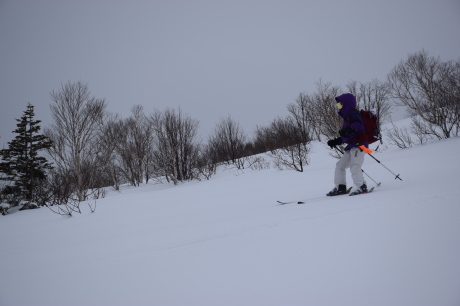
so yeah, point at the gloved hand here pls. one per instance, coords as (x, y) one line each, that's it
(346, 131)
(335, 142)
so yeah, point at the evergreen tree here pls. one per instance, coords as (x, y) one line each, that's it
(21, 162)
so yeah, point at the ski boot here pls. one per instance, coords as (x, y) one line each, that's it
(341, 189)
(362, 189)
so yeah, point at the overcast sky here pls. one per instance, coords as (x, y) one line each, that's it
(244, 58)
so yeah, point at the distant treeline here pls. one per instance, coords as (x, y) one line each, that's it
(88, 148)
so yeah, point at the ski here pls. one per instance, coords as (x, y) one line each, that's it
(322, 198)
(369, 191)
(299, 202)
(313, 199)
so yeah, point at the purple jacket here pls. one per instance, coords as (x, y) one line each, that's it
(351, 117)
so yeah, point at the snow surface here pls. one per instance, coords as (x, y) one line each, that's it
(227, 242)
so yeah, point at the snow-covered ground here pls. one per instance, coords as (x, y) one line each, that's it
(226, 241)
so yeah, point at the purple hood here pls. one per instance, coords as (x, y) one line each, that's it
(348, 101)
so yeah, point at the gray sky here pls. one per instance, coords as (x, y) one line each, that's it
(244, 58)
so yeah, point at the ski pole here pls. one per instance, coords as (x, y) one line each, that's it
(396, 176)
(378, 184)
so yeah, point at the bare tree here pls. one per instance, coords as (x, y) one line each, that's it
(372, 95)
(107, 150)
(400, 137)
(430, 89)
(58, 192)
(132, 141)
(207, 162)
(77, 120)
(311, 116)
(228, 142)
(175, 152)
(325, 115)
(292, 142)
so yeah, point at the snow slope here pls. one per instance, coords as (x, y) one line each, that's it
(227, 242)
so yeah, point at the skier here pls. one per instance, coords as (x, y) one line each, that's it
(353, 158)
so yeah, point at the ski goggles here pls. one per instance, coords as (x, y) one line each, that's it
(339, 105)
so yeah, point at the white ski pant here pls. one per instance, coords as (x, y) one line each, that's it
(352, 159)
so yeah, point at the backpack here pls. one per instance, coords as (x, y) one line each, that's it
(371, 125)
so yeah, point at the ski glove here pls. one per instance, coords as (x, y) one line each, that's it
(335, 142)
(346, 131)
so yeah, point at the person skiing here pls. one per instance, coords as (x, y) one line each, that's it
(353, 158)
